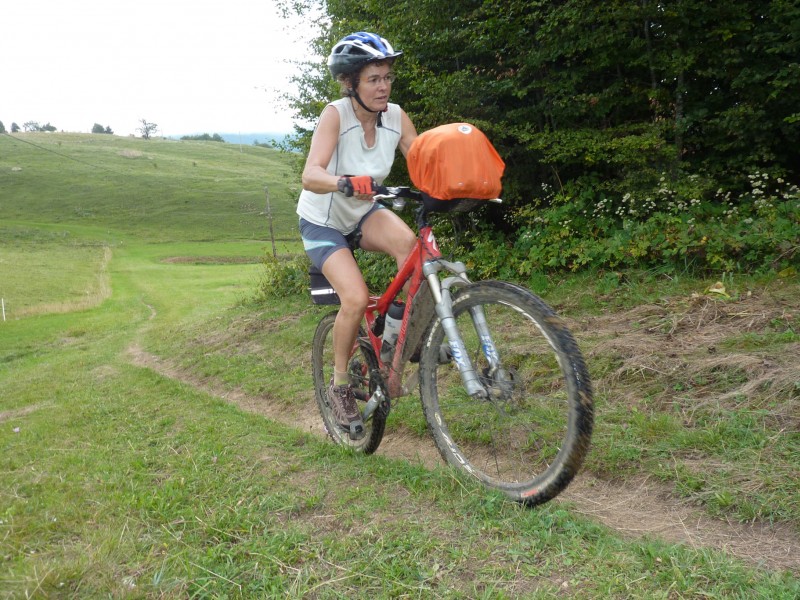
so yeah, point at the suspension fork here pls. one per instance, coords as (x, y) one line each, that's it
(444, 310)
(487, 344)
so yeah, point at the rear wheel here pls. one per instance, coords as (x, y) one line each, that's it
(530, 433)
(363, 370)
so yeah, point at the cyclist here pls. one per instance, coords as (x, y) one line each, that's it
(353, 148)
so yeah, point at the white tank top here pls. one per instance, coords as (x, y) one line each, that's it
(352, 156)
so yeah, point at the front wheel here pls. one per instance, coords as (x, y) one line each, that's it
(529, 433)
(363, 369)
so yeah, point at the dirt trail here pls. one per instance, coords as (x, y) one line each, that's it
(639, 508)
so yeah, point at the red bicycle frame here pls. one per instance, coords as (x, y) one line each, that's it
(426, 249)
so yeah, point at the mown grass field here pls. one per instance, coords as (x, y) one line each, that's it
(144, 401)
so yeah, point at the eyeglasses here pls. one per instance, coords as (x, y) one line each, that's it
(376, 79)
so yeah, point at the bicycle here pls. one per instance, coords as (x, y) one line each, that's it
(504, 389)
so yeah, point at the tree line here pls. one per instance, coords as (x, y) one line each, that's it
(35, 126)
(579, 90)
(637, 106)
(146, 129)
(28, 126)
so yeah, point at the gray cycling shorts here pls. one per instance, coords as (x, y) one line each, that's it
(320, 242)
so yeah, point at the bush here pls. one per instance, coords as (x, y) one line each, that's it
(681, 224)
(283, 276)
(288, 275)
(204, 137)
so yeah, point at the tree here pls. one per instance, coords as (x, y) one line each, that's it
(109, 131)
(14, 128)
(147, 129)
(2, 127)
(35, 126)
(602, 97)
(97, 128)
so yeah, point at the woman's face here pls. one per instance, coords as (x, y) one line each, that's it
(375, 85)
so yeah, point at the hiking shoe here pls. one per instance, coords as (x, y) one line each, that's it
(345, 410)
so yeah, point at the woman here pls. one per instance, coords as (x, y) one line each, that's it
(352, 148)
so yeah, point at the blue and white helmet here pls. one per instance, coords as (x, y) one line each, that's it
(355, 51)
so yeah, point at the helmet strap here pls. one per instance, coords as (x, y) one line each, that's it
(354, 94)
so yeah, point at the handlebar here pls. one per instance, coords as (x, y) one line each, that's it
(395, 198)
(397, 195)
(397, 192)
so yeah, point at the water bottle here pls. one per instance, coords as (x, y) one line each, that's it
(391, 329)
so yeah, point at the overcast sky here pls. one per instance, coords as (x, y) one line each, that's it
(191, 66)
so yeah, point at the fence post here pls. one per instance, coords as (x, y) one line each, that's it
(268, 210)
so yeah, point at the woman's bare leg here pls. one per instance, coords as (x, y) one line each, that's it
(341, 270)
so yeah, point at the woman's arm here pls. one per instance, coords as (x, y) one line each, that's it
(408, 133)
(315, 175)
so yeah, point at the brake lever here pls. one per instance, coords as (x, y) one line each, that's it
(398, 203)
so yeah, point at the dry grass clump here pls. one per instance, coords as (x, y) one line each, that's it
(703, 350)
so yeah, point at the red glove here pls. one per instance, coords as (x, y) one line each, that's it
(352, 186)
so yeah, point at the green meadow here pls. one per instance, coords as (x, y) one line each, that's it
(159, 438)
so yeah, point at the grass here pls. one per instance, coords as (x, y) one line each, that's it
(138, 486)
(674, 394)
(160, 190)
(119, 481)
(54, 278)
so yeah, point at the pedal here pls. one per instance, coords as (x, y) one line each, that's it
(356, 431)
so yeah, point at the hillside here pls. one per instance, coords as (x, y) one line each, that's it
(155, 189)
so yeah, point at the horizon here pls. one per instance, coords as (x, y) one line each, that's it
(280, 130)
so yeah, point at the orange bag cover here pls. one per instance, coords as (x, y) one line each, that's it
(455, 161)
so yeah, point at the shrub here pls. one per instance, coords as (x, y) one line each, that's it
(282, 276)
(681, 224)
(288, 275)
(204, 137)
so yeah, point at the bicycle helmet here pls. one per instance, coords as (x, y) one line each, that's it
(353, 53)
(357, 50)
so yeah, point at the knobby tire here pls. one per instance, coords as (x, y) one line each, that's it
(529, 437)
